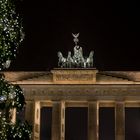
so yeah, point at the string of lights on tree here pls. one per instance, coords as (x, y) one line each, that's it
(11, 96)
(11, 32)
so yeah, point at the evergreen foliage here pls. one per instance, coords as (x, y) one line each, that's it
(11, 32)
(11, 96)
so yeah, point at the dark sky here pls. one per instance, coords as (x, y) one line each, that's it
(110, 28)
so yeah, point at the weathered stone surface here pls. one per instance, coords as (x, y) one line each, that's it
(93, 118)
(119, 120)
(46, 77)
(81, 92)
(74, 76)
(130, 75)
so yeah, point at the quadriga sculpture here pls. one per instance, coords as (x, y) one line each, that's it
(77, 60)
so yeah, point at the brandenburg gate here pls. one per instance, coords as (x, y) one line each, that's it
(76, 83)
(105, 89)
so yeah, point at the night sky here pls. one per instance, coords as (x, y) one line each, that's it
(110, 28)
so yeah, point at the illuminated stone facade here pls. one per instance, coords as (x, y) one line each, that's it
(60, 89)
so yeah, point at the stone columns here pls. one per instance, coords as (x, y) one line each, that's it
(93, 124)
(119, 120)
(29, 112)
(13, 112)
(58, 120)
(62, 120)
(37, 121)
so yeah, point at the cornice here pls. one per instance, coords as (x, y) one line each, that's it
(45, 77)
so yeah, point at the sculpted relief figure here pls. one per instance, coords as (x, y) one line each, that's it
(70, 61)
(76, 40)
(78, 56)
(61, 60)
(78, 52)
(89, 60)
(77, 60)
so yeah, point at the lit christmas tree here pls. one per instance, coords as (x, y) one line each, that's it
(11, 96)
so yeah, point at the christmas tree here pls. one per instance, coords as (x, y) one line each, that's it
(11, 96)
